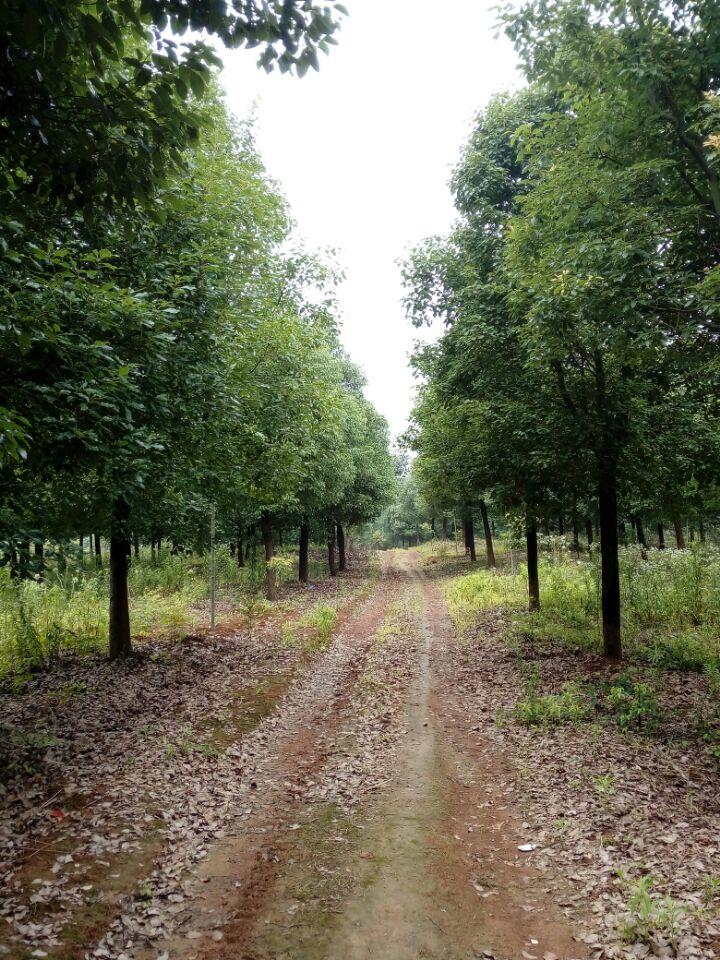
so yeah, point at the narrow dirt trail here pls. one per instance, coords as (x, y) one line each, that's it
(376, 825)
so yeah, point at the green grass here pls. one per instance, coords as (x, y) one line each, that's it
(68, 612)
(537, 710)
(670, 604)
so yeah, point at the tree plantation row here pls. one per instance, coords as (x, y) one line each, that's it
(578, 377)
(164, 346)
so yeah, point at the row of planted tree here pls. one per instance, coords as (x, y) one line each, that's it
(579, 370)
(164, 346)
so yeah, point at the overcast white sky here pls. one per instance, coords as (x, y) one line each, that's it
(364, 150)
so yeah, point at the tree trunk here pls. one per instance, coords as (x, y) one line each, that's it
(39, 551)
(98, 550)
(342, 560)
(679, 533)
(701, 530)
(444, 528)
(489, 550)
(331, 550)
(136, 545)
(303, 552)
(589, 531)
(661, 536)
(231, 548)
(240, 548)
(576, 533)
(610, 568)
(120, 643)
(470, 538)
(532, 563)
(561, 525)
(267, 539)
(81, 544)
(640, 532)
(546, 528)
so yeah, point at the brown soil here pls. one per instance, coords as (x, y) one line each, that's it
(430, 868)
(419, 859)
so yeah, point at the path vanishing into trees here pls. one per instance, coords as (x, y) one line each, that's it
(273, 792)
(373, 822)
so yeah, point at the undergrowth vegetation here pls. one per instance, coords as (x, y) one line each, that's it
(68, 611)
(671, 604)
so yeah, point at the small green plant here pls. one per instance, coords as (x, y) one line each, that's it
(66, 691)
(568, 706)
(634, 704)
(711, 888)
(321, 619)
(649, 916)
(605, 785)
(19, 749)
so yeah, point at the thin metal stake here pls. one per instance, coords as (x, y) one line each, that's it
(212, 568)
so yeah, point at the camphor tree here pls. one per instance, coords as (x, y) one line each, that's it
(481, 423)
(139, 271)
(580, 286)
(99, 102)
(609, 257)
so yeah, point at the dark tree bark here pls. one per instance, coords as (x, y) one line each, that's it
(39, 550)
(120, 643)
(98, 550)
(561, 525)
(532, 563)
(640, 532)
(231, 548)
(610, 567)
(575, 533)
(679, 533)
(589, 531)
(251, 542)
(469, 528)
(303, 564)
(489, 549)
(621, 528)
(342, 559)
(546, 528)
(240, 548)
(661, 536)
(136, 545)
(640, 535)
(331, 550)
(24, 560)
(81, 544)
(444, 528)
(701, 530)
(267, 538)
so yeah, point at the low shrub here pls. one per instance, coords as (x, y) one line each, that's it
(633, 704)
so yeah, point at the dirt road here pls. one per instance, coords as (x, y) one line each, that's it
(373, 823)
